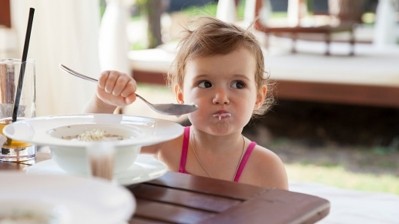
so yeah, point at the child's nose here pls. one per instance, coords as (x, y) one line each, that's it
(221, 97)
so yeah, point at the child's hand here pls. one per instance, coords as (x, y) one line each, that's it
(116, 88)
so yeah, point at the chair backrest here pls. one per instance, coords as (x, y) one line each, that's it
(263, 9)
(346, 11)
(340, 11)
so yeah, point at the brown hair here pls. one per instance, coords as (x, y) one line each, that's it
(210, 36)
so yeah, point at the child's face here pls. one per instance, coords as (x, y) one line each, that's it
(224, 88)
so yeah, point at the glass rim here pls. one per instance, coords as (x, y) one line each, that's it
(15, 61)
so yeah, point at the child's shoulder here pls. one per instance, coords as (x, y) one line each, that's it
(264, 157)
(261, 150)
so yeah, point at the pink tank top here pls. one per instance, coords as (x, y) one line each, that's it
(184, 151)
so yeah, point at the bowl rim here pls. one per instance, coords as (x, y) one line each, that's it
(35, 130)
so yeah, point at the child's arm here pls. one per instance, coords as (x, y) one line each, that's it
(114, 89)
(279, 176)
(267, 169)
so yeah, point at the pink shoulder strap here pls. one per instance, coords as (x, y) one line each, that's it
(244, 161)
(184, 150)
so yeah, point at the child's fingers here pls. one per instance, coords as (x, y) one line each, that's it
(106, 82)
(130, 98)
(116, 88)
(103, 79)
(111, 81)
(111, 99)
(130, 88)
(124, 84)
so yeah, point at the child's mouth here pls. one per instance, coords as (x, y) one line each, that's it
(222, 115)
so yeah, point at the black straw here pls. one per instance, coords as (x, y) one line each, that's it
(23, 65)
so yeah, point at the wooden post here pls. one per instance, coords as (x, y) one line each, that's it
(5, 14)
(154, 13)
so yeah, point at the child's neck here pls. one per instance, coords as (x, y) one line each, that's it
(217, 159)
(215, 143)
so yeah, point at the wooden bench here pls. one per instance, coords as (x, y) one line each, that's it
(353, 94)
(369, 78)
(294, 31)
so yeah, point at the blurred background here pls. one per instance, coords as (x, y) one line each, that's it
(347, 137)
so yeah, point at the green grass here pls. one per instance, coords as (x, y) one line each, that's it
(356, 167)
(339, 177)
(206, 10)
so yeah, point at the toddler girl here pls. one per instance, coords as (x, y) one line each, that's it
(220, 68)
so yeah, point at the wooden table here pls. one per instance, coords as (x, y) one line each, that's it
(182, 198)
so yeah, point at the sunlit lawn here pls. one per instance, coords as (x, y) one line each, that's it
(339, 177)
(353, 167)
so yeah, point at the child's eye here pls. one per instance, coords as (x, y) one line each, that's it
(205, 84)
(238, 84)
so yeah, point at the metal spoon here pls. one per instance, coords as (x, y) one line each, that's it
(168, 108)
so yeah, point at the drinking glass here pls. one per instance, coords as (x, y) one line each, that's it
(13, 150)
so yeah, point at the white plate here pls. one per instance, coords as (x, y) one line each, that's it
(145, 168)
(84, 200)
(38, 130)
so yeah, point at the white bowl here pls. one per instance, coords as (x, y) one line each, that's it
(29, 211)
(70, 199)
(74, 159)
(60, 132)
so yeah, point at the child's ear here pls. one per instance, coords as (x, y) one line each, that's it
(261, 96)
(178, 93)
